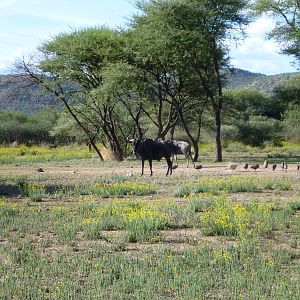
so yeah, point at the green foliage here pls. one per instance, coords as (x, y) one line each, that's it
(248, 102)
(228, 218)
(116, 189)
(35, 191)
(233, 184)
(287, 29)
(16, 126)
(290, 94)
(257, 130)
(65, 125)
(24, 154)
(143, 225)
(44, 254)
(253, 117)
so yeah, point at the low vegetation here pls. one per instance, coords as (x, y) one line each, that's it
(198, 234)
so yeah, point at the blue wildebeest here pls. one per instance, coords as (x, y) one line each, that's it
(151, 150)
(179, 147)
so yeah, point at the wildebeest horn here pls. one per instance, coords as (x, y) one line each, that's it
(130, 140)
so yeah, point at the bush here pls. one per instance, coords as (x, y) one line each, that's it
(17, 126)
(291, 124)
(258, 129)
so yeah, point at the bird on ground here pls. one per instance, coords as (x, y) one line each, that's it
(282, 165)
(255, 167)
(174, 167)
(40, 170)
(285, 167)
(266, 164)
(232, 166)
(274, 167)
(245, 166)
(298, 167)
(198, 167)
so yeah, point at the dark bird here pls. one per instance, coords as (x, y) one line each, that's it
(298, 167)
(174, 167)
(285, 166)
(274, 167)
(255, 167)
(266, 164)
(198, 167)
(40, 170)
(246, 166)
(282, 165)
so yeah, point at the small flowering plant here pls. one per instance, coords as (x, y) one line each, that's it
(228, 218)
(35, 191)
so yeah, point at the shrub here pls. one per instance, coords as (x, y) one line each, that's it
(291, 124)
(257, 130)
(144, 225)
(228, 218)
(35, 191)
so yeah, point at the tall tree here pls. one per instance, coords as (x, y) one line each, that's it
(71, 67)
(158, 48)
(150, 58)
(190, 38)
(287, 29)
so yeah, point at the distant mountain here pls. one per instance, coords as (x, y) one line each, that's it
(17, 93)
(264, 83)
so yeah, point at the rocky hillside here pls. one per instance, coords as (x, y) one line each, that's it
(264, 83)
(17, 94)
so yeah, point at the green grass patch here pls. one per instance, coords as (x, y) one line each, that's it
(233, 184)
(116, 189)
(24, 154)
(228, 218)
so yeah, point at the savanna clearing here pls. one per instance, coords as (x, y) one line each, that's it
(85, 229)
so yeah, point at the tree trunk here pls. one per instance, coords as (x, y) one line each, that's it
(114, 145)
(218, 136)
(93, 145)
(61, 97)
(172, 132)
(117, 151)
(196, 150)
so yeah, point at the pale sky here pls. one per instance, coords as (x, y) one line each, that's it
(25, 24)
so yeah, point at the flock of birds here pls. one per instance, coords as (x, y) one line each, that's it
(246, 166)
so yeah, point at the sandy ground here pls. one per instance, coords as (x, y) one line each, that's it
(134, 169)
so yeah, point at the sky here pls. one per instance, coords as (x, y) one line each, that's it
(25, 24)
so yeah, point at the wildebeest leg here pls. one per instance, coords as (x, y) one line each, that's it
(189, 157)
(150, 165)
(143, 163)
(188, 160)
(169, 166)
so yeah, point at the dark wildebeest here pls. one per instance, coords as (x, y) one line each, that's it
(179, 147)
(151, 150)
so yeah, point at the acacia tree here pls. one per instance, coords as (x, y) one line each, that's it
(71, 68)
(174, 90)
(287, 28)
(215, 22)
(149, 57)
(189, 42)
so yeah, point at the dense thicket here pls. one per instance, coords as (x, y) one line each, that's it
(16, 127)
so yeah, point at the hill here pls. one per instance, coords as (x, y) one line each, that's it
(264, 83)
(17, 94)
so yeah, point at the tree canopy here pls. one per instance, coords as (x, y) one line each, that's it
(287, 18)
